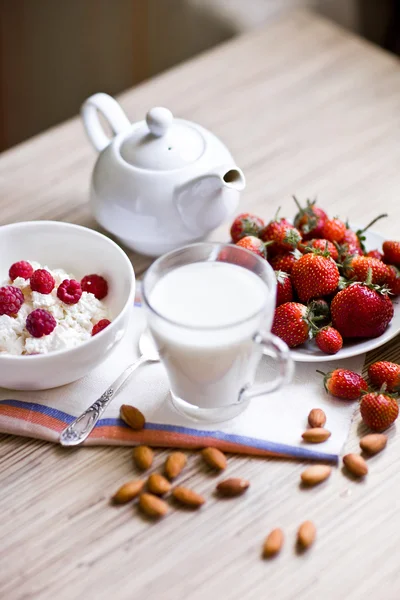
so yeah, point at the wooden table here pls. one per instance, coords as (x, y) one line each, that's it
(308, 109)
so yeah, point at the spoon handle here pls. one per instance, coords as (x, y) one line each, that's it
(79, 430)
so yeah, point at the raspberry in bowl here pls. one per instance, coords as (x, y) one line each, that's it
(66, 294)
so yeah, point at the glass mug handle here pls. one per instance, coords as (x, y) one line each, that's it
(279, 351)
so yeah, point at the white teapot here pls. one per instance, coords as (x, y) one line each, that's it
(160, 183)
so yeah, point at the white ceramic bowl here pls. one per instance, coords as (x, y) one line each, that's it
(80, 251)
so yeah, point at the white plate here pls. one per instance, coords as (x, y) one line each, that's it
(311, 353)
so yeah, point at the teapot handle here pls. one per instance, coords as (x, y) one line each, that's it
(112, 112)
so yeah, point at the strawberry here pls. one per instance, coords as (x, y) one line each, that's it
(378, 410)
(291, 323)
(333, 230)
(310, 220)
(284, 290)
(329, 340)
(350, 237)
(361, 310)
(358, 266)
(393, 280)
(244, 225)
(384, 372)
(285, 262)
(348, 249)
(344, 384)
(284, 236)
(375, 254)
(391, 253)
(324, 246)
(254, 244)
(314, 275)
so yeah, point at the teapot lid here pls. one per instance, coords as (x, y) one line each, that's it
(162, 143)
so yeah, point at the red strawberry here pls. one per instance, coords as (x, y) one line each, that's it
(349, 249)
(378, 410)
(393, 280)
(310, 220)
(284, 290)
(333, 230)
(246, 224)
(375, 254)
(329, 340)
(384, 372)
(284, 236)
(324, 246)
(350, 237)
(361, 310)
(344, 384)
(314, 275)
(358, 267)
(291, 323)
(391, 253)
(285, 262)
(254, 244)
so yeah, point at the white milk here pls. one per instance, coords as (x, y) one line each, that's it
(213, 310)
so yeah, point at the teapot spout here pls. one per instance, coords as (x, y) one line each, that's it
(233, 178)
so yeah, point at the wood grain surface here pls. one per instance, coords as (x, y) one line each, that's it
(308, 109)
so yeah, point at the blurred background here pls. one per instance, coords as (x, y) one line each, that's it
(55, 53)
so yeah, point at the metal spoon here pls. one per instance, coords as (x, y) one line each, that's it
(78, 430)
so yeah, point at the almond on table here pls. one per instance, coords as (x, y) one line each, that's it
(153, 506)
(373, 443)
(188, 497)
(214, 458)
(157, 484)
(143, 457)
(355, 464)
(315, 474)
(273, 543)
(128, 491)
(306, 535)
(234, 486)
(174, 464)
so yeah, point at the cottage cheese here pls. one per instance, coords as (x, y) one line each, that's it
(74, 322)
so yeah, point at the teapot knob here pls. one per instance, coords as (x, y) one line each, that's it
(158, 120)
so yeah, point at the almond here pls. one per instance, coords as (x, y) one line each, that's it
(315, 474)
(187, 497)
(132, 417)
(306, 534)
(373, 443)
(128, 491)
(316, 435)
(153, 506)
(316, 418)
(235, 486)
(158, 485)
(143, 457)
(214, 458)
(174, 464)
(355, 464)
(273, 543)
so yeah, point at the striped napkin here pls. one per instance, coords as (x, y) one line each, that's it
(270, 426)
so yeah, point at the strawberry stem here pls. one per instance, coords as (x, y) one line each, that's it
(360, 231)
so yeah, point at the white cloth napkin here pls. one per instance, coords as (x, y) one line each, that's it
(272, 424)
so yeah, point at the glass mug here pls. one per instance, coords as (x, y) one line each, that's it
(210, 309)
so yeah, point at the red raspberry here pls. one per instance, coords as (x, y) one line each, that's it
(100, 326)
(95, 284)
(42, 281)
(11, 300)
(40, 322)
(20, 269)
(69, 291)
